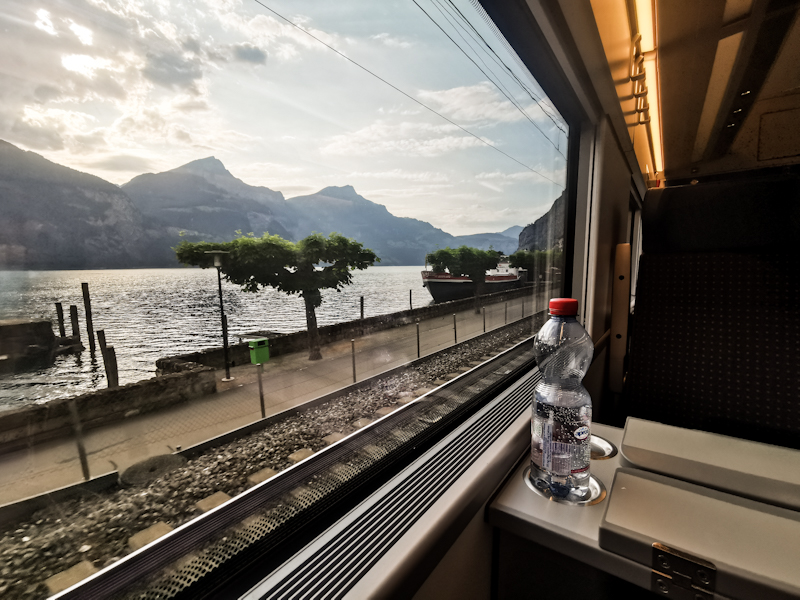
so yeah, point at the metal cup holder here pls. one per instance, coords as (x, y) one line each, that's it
(597, 491)
(602, 449)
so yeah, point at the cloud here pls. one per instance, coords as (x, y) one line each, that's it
(84, 34)
(123, 162)
(36, 136)
(479, 103)
(391, 41)
(494, 188)
(84, 64)
(179, 134)
(186, 103)
(173, 70)
(250, 53)
(424, 176)
(407, 139)
(44, 23)
(281, 40)
(557, 174)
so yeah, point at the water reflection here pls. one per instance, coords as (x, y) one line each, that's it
(150, 313)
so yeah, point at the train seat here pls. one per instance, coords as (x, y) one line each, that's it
(715, 344)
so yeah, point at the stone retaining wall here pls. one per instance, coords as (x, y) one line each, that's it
(28, 425)
(297, 342)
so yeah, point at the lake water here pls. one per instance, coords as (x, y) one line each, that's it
(151, 313)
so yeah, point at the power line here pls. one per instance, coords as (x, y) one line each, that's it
(496, 32)
(540, 102)
(499, 86)
(409, 96)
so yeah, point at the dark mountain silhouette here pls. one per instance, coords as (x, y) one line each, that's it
(547, 231)
(54, 217)
(203, 199)
(397, 240)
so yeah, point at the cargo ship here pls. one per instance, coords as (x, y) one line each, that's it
(446, 286)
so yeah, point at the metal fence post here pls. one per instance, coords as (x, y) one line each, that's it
(506, 314)
(484, 319)
(353, 346)
(455, 331)
(417, 338)
(261, 390)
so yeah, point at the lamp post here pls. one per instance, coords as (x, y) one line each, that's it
(218, 264)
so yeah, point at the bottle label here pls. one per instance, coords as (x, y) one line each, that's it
(560, 439)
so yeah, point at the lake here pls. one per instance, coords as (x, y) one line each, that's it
(151, 313)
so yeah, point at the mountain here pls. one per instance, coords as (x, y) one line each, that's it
(497, 241)
(397, 240)
(54, 217)
(512, 232)
(205, 201)
(548, 230)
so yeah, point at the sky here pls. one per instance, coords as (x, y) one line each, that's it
(117, 88)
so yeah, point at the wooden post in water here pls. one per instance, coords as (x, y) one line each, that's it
(87, 306)
(110, 361)
(353, 346)
(111, 376)
(362, 308)
(60, 315)
(73, 317)
(410, 303)
(78, 428)
(101, 339)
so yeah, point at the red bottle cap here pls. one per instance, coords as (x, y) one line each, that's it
(564, 306)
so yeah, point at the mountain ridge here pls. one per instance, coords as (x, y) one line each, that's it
(84, 221)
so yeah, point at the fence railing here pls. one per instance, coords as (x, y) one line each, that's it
(288, 381)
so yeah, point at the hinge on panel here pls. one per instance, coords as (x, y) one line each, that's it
(680, 575)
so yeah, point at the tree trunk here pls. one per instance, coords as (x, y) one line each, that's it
(314, 352)
(479, 290)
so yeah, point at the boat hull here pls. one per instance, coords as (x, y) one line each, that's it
(457, 288)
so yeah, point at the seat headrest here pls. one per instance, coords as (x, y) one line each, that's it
(756, 214)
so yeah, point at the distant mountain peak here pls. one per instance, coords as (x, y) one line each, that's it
(345, 192)
(210, 165)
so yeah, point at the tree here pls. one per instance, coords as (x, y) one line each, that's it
(468, 262)
(313, 264)
(536, 262)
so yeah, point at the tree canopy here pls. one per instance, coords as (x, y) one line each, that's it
(313, 264)
(468, 262)
(536, 262)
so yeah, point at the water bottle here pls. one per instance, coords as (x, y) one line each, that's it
(562, 408)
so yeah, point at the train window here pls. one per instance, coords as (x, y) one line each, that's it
(127, 128)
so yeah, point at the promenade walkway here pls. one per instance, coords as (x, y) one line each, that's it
(289, 381)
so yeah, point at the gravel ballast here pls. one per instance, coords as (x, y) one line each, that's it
(96, 528)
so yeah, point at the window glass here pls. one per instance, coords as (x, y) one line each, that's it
(130, 127)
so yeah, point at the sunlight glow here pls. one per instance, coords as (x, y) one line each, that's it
(84, 64)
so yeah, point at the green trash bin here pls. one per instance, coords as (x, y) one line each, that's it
(259, 351)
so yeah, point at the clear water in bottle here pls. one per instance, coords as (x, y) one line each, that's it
(562, 408)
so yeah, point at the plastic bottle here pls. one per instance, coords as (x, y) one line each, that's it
(562, 408)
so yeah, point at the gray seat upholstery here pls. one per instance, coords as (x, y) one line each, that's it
(715, 343)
